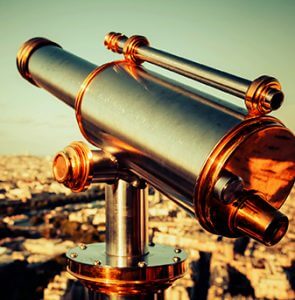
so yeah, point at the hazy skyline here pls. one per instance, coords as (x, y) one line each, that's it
(246, 38)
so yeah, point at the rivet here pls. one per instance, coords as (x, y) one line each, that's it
(177, 250)
(97, 262)
(141, 264)
(176, 259)
(82, 246)
(73, 255)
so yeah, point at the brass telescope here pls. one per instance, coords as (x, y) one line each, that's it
(231, 168)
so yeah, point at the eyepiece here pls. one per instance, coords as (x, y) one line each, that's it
(276, 230)
(258, 219)
(274, 99)
(263, 96)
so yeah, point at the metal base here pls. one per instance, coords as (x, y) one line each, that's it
(153, 296)
(125, 267)
(144, 275)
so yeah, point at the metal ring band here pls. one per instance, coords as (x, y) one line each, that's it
(25, 52)
(86, 166)
(256, 93)
(83, 88)
(112, 41)
(130, 48)
(217, 159)
(77, 176)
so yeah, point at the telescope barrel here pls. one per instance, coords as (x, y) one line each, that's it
(137, 49)
(178, 139)
(65, 70)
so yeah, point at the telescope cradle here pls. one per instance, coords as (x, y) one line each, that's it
(126, 266)
(225, 165)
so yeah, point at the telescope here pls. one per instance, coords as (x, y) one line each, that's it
(231, 168)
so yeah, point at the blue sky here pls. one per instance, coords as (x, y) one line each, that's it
(247, 38)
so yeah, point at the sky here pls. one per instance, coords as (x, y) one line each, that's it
(246, 38)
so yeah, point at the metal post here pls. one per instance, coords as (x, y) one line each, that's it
(126, 232)
(126, 223)
(124, 267)
(144, 52)
(264, 92)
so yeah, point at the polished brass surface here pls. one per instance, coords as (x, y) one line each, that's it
(159, 272)
(261, 96)
(25, 52)
(258, 219)
(148, 296)
(119, 43)
(113, 40)
(131, 46)
(77, 166)
(253, 152)
(179, 139)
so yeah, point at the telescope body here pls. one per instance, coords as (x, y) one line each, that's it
(178, 139)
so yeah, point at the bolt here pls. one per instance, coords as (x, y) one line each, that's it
(73, 255)
(141, 264)
(176, 259)
(97, 262)
(177, 250)
(82, 246)
(138, 183)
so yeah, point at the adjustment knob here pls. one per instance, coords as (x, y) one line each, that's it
(76, 167)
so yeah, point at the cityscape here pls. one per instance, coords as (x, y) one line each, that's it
(40, 220)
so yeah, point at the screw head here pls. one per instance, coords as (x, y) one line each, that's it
(97, 262)
(138, 183)
(176, 259)
(73, 255)
(141, 264)
(177, 250)
(82, 246)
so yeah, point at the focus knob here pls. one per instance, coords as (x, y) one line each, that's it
(76, 167)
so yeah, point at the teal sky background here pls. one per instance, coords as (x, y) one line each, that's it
(247, 38)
